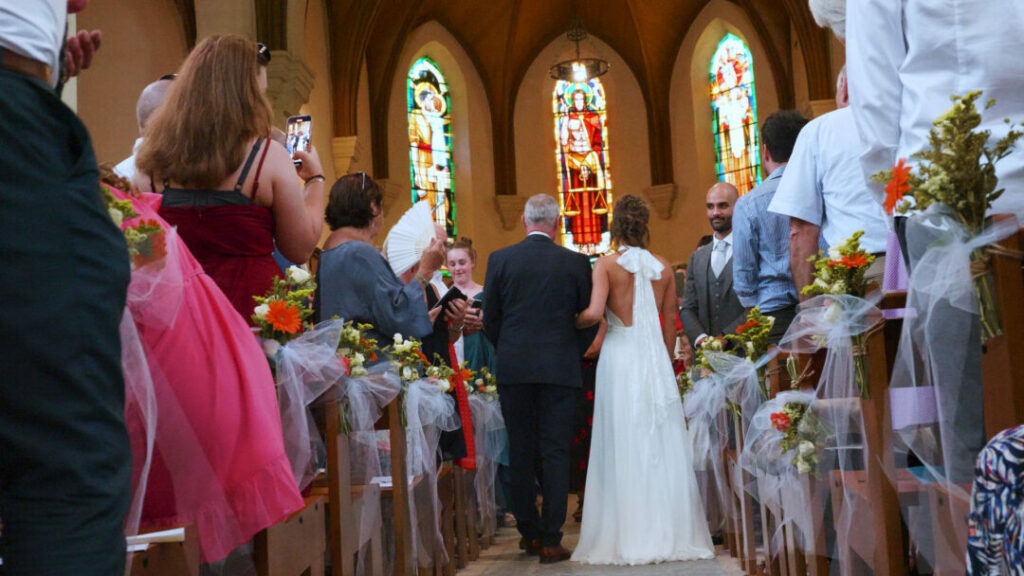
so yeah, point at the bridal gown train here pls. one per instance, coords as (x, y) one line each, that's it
(643, 503)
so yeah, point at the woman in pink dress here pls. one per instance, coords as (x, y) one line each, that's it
(219, 460)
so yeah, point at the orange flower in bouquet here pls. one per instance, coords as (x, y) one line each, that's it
(897, 187)
(284, 317)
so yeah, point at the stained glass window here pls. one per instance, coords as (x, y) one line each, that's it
(584, 180)
(731, 80)
(430, 141)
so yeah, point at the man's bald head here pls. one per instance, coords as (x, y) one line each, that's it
(150, 99)
(719, 202)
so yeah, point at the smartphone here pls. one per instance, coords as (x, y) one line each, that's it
(477, 304)
(299, 133)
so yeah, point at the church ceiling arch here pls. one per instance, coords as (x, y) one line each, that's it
(503, 37)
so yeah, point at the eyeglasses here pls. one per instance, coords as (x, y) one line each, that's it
(262, 53)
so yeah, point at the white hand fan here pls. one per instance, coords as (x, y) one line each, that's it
(409, 237)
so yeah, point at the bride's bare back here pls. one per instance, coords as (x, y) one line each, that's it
(613, 287)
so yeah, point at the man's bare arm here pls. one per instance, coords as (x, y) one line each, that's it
(803, 243)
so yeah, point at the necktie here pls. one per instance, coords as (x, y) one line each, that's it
(718, 258)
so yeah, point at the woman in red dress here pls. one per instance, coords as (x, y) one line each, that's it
(229, 189)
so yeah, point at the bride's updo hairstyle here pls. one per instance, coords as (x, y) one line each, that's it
(629, 222)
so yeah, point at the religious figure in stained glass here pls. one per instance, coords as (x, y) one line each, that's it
(581, 137)
(430, 141)
(735, 114)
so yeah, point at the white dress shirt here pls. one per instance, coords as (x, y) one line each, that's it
(905, 58)
(823, 183)
(126, 168)
(34, 29)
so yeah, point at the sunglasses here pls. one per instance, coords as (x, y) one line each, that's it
(262, 53)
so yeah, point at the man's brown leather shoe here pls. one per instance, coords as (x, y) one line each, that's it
(530, 546)
(552, 554)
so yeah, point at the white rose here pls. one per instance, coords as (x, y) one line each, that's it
(358, 359)
(834, 253)
(261, 310)
(116, 216)
(359, 371)
(833, 312)
(408, 373)
(480, 383)
(297, 275)
(270, 347)
(398, 339)
(806, 448)
(444, 384)
(803, 467)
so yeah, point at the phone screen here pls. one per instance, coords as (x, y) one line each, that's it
(300, 130)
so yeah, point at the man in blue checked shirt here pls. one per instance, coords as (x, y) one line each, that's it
(760, 257)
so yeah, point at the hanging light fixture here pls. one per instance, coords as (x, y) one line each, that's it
(579, 69)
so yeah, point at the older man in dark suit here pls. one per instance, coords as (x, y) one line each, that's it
(710, 306)
(532, 294)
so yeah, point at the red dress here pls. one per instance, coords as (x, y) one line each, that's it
(232, 237)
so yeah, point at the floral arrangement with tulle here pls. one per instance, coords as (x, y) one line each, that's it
(958, 171)
(281, 313)
(751, 338)
(802, 434)
(356, 348)
(481, 382)
(407, 359)
(841, 271)
(442, 375)
(146, 240)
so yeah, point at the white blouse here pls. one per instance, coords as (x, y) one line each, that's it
(905, 58)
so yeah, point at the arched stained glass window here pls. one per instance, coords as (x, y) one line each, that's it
(430, 141)
(584, 179)
(731, 80)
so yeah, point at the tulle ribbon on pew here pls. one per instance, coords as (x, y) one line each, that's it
(428, 412)
(780, 482)
(307, 367)
(364, 400)
(707, 421)
(936, 387)
(832, 322)
(492, 441)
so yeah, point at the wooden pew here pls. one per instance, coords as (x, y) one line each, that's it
(167, 558)
(398, 492)
(743, 504)
(296, 546)
(1003, 361)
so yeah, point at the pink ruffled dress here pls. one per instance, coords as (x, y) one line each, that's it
(219, 459)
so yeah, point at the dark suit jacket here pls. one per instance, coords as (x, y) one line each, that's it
(532, 293)
(697, 314)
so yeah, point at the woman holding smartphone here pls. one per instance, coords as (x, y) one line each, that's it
(475, 349)
(229, 189)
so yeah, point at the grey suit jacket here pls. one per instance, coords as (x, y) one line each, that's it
(701, 313)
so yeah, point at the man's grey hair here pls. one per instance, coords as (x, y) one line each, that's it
(540, 209)
(830, 14)
(151, 98)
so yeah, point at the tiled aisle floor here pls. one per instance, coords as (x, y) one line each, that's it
(504, 558)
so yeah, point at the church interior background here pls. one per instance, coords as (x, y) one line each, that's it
(451, 101)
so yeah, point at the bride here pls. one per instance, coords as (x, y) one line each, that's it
(643, 503)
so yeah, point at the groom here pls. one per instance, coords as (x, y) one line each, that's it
(532, 293)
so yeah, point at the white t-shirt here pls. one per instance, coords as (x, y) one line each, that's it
(823, 183)
(34, 29)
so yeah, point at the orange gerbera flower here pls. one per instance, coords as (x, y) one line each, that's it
(746, 326)
(284, 317)
(858, 260)
(422, 357)
(897, 186)
(153, 249)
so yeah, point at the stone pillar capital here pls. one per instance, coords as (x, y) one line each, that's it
(510, 209)
(289, 83)
(661, 197)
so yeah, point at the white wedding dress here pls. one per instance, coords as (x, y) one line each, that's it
(642, 500)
